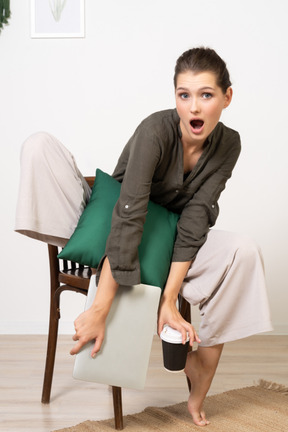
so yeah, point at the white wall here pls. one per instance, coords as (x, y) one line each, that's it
(91, 93)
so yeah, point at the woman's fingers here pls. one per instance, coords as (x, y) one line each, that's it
(193, 336)
(96, 347)
(184, 327)
(81, 342)
(76, 348)
(160, 326)
(169, 314)
(88, 327)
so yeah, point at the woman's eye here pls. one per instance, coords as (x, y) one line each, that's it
(184, 96)
(206, 95)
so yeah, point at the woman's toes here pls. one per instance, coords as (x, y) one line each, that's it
(200, 422)
(199, 419)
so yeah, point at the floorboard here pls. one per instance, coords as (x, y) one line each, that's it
(22, 359)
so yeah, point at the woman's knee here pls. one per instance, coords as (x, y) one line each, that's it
(246, 249)
(35, 143)
(229, 243)
(36, 146)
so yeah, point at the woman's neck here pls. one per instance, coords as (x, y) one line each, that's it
(191, 155)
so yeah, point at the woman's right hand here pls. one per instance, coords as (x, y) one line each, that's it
(89, 325)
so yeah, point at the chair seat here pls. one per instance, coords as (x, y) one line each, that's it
(78, 278)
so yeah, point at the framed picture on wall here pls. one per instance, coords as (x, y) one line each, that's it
(57, 19)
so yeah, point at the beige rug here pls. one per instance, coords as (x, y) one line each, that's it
(262, 408)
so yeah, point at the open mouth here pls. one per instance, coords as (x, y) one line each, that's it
(197, 124)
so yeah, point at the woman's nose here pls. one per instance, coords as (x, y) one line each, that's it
(194, 107)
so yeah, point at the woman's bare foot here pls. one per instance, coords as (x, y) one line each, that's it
(199, 389)
(200, 369)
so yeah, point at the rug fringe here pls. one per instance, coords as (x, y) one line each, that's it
(269, 385)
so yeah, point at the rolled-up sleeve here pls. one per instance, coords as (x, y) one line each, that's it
(130, 210)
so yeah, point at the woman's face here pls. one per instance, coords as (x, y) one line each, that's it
(199, 103)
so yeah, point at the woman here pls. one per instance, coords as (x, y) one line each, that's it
(180, 158)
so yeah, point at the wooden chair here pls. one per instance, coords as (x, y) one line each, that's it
(74, 277)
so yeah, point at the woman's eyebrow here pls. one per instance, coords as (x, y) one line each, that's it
(200, 89)
(206, 88)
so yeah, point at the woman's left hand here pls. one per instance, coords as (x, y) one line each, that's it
(169, 314)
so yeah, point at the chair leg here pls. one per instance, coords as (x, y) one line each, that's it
(117, 403)
(185, 310)
(53, 325)
(50, 359)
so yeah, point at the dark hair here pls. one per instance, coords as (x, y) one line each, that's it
(203, 60)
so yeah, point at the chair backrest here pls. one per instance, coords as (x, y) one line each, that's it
(90, 180)
(78, 269)
(68, 272)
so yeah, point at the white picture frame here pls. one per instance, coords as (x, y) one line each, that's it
(57, 19)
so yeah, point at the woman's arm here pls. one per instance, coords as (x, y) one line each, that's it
(121, 263)
(130, 210)
(91, 323)
(168, 312)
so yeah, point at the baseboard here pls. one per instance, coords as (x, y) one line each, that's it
(279, 329)
(67, 327)
(35, 328)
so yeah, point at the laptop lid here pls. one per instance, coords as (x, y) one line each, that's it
(130, 326)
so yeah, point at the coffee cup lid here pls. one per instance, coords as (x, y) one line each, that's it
(171, 335)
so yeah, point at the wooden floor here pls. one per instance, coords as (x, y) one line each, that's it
(22, 358)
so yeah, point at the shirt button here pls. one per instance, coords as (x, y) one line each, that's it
(177, 191)
(213, 206)
(126, 206)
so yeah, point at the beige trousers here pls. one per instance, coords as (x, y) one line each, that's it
(52, 191)
(226, 279)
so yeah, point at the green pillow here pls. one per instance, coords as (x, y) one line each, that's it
(87, 243)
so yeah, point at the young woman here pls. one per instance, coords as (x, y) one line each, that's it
(180, 158)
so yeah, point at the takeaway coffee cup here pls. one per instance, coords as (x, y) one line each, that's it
(174, 352)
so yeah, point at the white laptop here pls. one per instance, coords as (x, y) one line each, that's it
(124, 356)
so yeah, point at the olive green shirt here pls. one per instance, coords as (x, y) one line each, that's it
(151, 167)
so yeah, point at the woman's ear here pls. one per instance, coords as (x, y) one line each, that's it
(228, 97)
